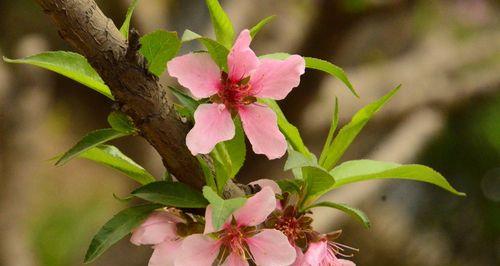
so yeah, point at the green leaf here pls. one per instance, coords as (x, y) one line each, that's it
(126, 24)
(187, 101)
(158, 48)
(71, 65)
(221, 209)
(112, 157)
(349, 132)
(208, 173)
(327, 67)
(224, 31)
(318, 64)
(290, 131)
(229, 156)
(172, 194)
(256, 29)
(353, 212)
(121, 122)
(290, 185)
(118, 227)
(298, 160)
(217, 51)
(318, 182)
(331, 131)
(91, 140)
(361, 170)
(189, 35)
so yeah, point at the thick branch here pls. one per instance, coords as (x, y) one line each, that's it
(83, 25)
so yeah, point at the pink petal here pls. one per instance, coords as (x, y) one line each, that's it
(346, 263)
(213, 124)
(235, 260)
(197, 72)
(276, 78)
(267, 183)
(197, 250)
(261, 127)
(241, 59)
(164, 253)
(257, 208)
(299, 260)
(271, 248)
(157, 227)
(316, 253)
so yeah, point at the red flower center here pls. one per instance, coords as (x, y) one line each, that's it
(234, 94)
(233, 238)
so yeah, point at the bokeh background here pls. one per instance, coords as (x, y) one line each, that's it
(446, 53)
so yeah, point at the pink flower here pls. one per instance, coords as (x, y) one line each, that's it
(159, 230)
(235, 93)
(322, 253)
(240, 239)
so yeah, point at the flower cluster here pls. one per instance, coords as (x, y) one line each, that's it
(261, 231)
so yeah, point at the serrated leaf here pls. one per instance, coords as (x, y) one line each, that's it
(126, 23)
(158, 48)
(361, 170)
(224, 31)
(351, 211)
(290, 185)
(319, 64)
(121, 122)
(331, 131)
(349, 132)
(187, 101)
(229, 156)
(91, 140)
(256, 29)
(112, 157)
(68, 64)
(172, 194)
(221, 209)
(118, 227)
(318, 181)
(290, 131)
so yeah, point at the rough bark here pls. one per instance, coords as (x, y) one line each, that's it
(84, 26)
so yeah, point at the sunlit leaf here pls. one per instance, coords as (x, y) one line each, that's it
(118, 227)
(361, 170)
(158, 48)
(224, 31)
(68, 64)
(297, 160)
(121, 122)
(331, 131)
(172, 194)
(112, 157)
(256, 29)
(126, 24)
(221, 209)
(318, 182)
(353, 212)
(290, 185)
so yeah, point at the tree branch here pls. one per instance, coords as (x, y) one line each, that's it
(84, 26)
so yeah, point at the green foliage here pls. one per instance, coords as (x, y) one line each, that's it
(112, 157)
(126, 24)
(229, 156)
(349, 132)
(290, 185)
(290, 131)
(91, 140)
(256, 29)
(71, 65)
(221, 209)
(207, 172)
(217, 51)
(298, 160)
(331, 131)
(158, 48)
(361, 170)
(224, 31)
(317, 182)
(121, 122)
(353, 212)
(319, 64)
(172, 194)
(190, 35)
(187, 101)
(118, 227)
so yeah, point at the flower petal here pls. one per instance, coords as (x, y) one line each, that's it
(316, 253)
(157, 227)
(271, 248)
(213, 124)
(261, 127)
(267, 183)
(235, 260)
(257, 208)
(299, 260)
(346, 263)
(241, 59)
(276, 78)
(197, 72)
(197, 250)
(164, 254)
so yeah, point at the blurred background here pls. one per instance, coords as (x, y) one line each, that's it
(446, 54)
